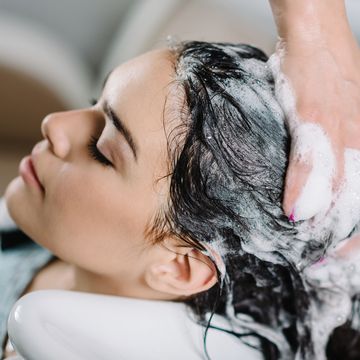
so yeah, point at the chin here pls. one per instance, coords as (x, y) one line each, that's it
(13, 196)
(18, 202)
(13, 187)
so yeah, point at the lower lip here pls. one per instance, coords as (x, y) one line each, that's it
(27, 172)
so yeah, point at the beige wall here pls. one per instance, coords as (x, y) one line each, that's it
(24, 102)
(10, 157)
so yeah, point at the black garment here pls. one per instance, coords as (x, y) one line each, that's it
(13, 238)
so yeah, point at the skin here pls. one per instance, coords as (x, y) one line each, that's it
(63, 156)
(322, 63)
(94, 217)
(65, 160)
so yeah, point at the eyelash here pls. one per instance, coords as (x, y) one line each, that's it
(96, 154)
(92, 148)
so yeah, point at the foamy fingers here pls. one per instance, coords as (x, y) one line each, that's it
(310, 145)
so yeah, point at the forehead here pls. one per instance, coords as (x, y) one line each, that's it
(148, 75)
(140, 91)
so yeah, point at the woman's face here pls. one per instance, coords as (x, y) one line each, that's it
(95, 215)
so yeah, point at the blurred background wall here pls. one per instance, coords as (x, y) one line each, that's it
(55, 54)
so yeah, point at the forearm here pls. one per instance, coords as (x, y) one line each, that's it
(312, 22)
(308, 26)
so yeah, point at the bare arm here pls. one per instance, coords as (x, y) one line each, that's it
(309, 24)
(322, 63)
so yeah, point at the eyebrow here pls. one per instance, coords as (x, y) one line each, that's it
(121, 128)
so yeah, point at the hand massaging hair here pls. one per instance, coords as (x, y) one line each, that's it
(230, 156)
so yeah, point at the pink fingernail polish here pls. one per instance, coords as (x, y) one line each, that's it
(292, 216)
(322, 260)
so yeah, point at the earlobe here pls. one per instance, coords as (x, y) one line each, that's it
(185, 273)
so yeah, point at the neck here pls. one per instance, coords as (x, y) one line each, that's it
(86, 281)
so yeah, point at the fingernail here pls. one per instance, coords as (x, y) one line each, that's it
(319, 264)
(292, 216)
(322, 260)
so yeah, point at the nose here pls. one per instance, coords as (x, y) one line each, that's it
(52, 129)
(69, 130)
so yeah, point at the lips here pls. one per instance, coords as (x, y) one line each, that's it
(37, 149)
(33, 169)
(28, 173)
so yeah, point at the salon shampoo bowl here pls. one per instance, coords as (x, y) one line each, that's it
(69, 325)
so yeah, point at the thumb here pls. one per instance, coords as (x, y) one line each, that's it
(308, 186)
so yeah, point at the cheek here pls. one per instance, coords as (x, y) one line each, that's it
(93, 220)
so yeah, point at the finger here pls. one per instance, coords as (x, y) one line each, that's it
(315, 197)
(296, 176)
(338, 179)
(347, 247)
(310, 192)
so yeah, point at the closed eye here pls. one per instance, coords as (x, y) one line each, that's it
(96, 154)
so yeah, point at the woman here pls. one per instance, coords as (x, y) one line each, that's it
(170, 187)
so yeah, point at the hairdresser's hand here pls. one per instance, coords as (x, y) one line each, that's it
(327, 93)
(321, 64)
(348, 248)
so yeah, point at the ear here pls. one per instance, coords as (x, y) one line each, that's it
(181, 271)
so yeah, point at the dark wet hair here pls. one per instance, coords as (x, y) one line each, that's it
(229, 156)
